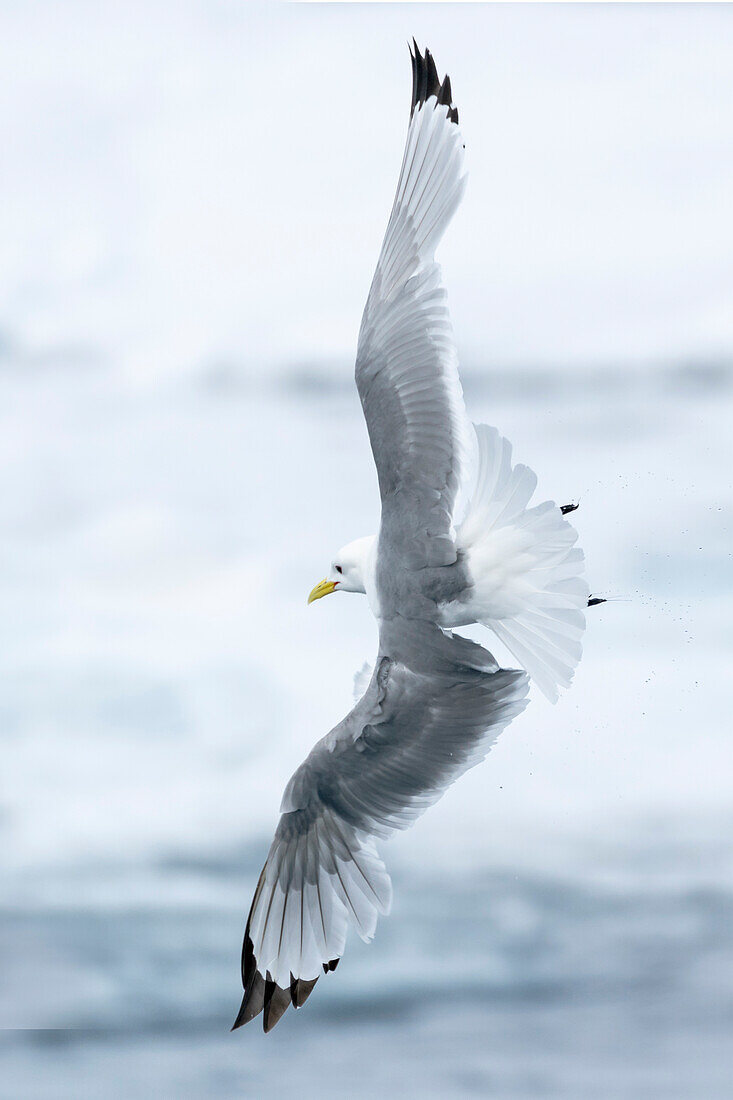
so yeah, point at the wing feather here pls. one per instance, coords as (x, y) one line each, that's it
(407, 366)
(432, 709)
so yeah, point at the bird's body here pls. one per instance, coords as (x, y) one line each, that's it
(435, 702)
(517, 570)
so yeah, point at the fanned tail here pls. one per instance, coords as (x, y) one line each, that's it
(526, 570)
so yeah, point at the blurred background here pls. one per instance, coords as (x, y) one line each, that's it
(193, 198)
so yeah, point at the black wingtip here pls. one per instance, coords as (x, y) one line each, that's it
(567, 508)
(263, 994)
(300, 990)
(425, 83)
(266, 996)
(253, 1001)
(595, 600)
(277, 1001)
(252, 981)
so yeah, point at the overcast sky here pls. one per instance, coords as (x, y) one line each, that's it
(190, 183)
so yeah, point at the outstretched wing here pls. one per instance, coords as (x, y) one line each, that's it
(407, 366)
(433, 708)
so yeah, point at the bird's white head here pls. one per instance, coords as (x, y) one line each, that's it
(348, 570)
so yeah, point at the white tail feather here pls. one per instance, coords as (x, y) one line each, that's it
(526, 571)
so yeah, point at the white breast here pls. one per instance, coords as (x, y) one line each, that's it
(370, 578)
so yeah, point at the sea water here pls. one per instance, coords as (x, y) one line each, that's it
(563, 919)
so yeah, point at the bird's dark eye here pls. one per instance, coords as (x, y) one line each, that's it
(338, 568)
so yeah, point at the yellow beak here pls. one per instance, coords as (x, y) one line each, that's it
(323, 588)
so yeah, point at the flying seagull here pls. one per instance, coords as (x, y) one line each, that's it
(434, 702)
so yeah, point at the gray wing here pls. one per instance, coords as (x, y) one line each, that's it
(435, 703)
(406, 366)
(433, 708)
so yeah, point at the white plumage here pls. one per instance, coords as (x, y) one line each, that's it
(526, 573)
